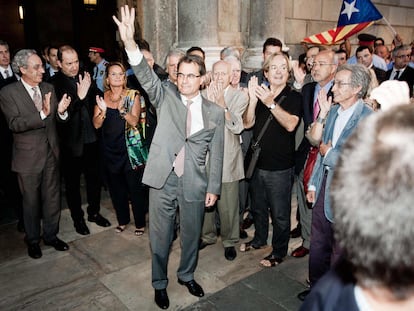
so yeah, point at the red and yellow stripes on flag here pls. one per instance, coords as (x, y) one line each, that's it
(349, 30)
(335, 35)
(326, 37)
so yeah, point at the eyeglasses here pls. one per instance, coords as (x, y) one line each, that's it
(321, 64)
(402, 56)
(117, 74)
(281, 68)
(340, 83)
(190, 76)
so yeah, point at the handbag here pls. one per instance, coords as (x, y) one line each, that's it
(136, 144)
(253, 153)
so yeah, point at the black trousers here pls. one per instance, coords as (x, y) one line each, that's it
(73, 167)
(125, 187)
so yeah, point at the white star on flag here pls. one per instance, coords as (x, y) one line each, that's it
(349, 9)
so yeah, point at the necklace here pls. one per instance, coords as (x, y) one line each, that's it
(111, 97)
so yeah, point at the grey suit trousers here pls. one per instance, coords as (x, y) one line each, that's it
(41, 200)
(162, 212)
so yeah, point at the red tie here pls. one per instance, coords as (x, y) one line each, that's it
(315, 109)
(179, 160)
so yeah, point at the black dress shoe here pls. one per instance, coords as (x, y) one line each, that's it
(193, 287)
(203, 244)
(99, 220)
(230, 253)
(34, 250)
(295, 233)
(161, 298)
(302, 295)
(58, 245)
(81, 227)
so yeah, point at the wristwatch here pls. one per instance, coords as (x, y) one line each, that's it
(272, 106)
(320, 120)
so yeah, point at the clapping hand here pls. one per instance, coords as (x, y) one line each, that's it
(46, 104)
(101, 104)
(83, 85)
(325, 103)
(64, 104)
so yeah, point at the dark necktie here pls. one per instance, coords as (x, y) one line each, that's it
(37, 99)
(7, 73)
(397, 75)
(179, 160)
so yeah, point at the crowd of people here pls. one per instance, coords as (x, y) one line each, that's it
(178, 141)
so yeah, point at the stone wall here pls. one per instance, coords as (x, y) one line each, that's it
(214, 24)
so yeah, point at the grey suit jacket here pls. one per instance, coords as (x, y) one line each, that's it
(32, 136)
(170, 137)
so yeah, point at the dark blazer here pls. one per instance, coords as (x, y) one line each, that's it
(380, 74)
(72, 132)
(4, 82)
(333, 292)
(308, 91)
(407, 76)
(170, 136)
(32, 136)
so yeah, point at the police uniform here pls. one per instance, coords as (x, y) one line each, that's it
(99, 69)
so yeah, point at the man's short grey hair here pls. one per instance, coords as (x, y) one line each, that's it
(404, 47)
(20, 59)
(229, 51)
(360, 77)
(173, 52)
(373, 200)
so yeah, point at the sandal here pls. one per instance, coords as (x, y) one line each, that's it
(271, 261)
(139, 232)
(120, 228)
(245, 247)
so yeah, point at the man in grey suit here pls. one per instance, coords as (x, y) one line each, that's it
(189, 133)
(234, 103)
(31, 109)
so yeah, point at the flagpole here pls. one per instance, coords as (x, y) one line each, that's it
(389, 26)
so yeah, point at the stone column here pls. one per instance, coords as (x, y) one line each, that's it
(198, 25)
(267, 19)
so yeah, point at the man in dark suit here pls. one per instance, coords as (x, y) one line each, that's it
(190, 131)
(80, 152)
(10, 197)
(35, 149)
(401, 71)
(364, 55)
(375, 230)
(323, 70)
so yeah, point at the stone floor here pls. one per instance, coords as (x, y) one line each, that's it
(110, 271)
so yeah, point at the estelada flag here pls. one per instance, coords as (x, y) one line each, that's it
(355, 15)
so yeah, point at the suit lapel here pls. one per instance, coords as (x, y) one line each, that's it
(26, 99)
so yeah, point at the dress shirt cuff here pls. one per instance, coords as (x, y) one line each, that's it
(42, 115)
(311, 188)
(134, 57)
(63, 116)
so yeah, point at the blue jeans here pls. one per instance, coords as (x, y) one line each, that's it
(272, 191)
